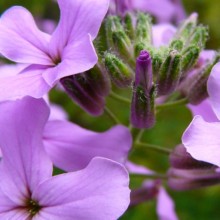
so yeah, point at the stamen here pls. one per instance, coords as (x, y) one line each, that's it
(33, 207)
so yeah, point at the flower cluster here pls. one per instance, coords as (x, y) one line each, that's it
(99, 52)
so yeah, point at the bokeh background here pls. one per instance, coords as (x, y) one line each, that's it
(202, 204)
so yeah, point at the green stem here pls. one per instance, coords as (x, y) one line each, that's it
(172, 104)
(139, 136)
(153, 147)
(150, 176)
(119, 98)
(112, 115)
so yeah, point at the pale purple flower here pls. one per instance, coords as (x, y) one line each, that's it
(69, 50)
(213, 87)
(165, 206)
(27, 188)
(163, 10)
(72, 147)
(201, 138)
(162, 34)
(205, 110)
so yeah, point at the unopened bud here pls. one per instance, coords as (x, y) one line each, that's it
(187, 27)
(181, 159)
(123, 45)
(157, 60)
(99, 79)
(144, 75)
(82, 92)
(180, 179)
(129, 22)
(143, 29)
(189, 58)
(199, 37)
(120, 73)
(139, 46)
(142, 106)
(169, 74)
(112, 24)
(198, 90)
(148, 191)
(176, 45)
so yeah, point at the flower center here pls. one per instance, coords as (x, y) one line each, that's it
(57, 60)
(33, 207)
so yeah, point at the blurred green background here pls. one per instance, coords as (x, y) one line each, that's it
(199, 204)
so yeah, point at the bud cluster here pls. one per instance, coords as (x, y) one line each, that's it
(129, 59)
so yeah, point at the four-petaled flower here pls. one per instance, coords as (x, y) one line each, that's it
(69, 50)
(27, 188)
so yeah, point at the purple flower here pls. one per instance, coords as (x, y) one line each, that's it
(27, 188)
(162, 34)
(163, 10)
(72, 147)
(67, 51)
(205, 110)
(201, 138)
(149, 190)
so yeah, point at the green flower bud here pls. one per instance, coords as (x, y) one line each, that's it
(129, 25)
(199, 37)
(176, 45)
(169, 74)
(123, 45)
(112, 24)
(187, 27)
(189, 58)
(120, 73)
(143, 29)
(157, 60)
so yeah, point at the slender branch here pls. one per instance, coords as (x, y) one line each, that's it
(172, 104)
(153, 147)
(139, 136)
(111, 115)
(119, 98)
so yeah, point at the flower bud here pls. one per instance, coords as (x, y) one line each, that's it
(181, 159)
(139, 46)
(120, 73)
(169, 74)
(198, 90)
(143, 29)
(186, 28)
(142, 106)
(83, 91)
(157, 60)
(129, 23)
(112, 24)
(148, 191)
(187, 173)
(199, 37)
(99, 79)
(189, 58)
(192, 179)
(123, 45)
(176, 45)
